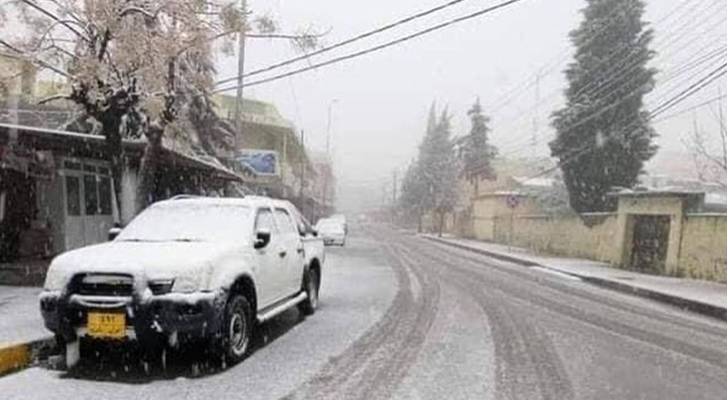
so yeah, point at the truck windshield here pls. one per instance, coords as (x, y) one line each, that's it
(185, 222)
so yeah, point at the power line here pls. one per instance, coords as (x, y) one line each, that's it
(378, 47)
(686, 93)
(549, 67)
(686, 110)
(345, 42)
(713, 75)
(610, 77)
(493, 107)
(614, 75)
(666, 105)
(691, 89)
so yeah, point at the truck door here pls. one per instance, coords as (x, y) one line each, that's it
(270, 269)
(294, 258)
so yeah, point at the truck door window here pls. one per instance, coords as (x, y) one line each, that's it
(285, 222)
(264, 220)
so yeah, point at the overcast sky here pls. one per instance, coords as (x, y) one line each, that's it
(383, 98)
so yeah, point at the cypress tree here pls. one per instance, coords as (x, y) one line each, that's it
(603, 136)
(477, 153)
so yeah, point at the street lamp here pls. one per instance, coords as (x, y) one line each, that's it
(328, 128)
(328, 153)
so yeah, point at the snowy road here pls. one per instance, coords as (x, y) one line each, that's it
(402, 317)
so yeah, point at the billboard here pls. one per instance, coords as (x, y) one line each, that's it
(262, 162)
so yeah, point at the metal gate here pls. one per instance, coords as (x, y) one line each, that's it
(649, 242)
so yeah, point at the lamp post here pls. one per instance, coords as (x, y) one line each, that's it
(328, 153)
(328, 127)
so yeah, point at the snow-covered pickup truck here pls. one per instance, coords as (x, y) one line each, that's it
(187, 269)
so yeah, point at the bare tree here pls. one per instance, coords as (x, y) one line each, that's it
(131, 65)
(710, 159)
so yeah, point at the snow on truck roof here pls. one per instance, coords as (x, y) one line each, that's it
(247, 201)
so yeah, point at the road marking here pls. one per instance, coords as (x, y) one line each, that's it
(557, 273)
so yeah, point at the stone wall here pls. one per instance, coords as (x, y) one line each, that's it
(558, 235)
(703, 247)
(596, 236)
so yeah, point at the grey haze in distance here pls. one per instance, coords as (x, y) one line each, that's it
(383, 98)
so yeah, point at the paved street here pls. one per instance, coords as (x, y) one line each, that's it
(404, 317)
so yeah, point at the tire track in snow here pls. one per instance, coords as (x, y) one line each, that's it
(376, 363)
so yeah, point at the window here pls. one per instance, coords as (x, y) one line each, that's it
(2, 206)
(285, 222)
(105, 195)
(73, 195)
(264, 220)
(91, 196)
(72, 165)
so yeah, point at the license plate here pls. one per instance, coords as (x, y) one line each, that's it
(106, 325)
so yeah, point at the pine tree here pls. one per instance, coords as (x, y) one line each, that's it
(476, 152)
(603, 136)
(413, 193)
(439, 169)
(430, 184)
(415, 199)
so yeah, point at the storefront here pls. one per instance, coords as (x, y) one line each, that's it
(57, 192)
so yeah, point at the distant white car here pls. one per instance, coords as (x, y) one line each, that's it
(341, 218)
(332, 231)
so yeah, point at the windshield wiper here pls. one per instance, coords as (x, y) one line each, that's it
(187, 240)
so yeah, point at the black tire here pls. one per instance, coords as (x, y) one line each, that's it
(237, 329)
(311, 287)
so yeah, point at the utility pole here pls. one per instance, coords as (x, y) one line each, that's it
(330, 160)
(394, 187)
(534, 136)
(241, 69)
(328, 128)
(303, 171)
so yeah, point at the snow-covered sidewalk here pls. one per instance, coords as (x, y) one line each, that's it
(702, 296)
(20, 319)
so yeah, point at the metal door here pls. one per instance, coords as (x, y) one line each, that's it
(649, 242)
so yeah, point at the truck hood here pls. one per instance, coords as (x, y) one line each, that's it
(189, 263)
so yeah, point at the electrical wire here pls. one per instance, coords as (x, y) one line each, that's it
(345, 42)
(376, 48)
(666, 105)
(636, 65)
(695, 107)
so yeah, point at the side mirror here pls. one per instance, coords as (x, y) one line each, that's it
(114, 232)
(262, 238)
(314, 232)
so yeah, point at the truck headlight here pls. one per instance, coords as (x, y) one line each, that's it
(160, 286)
(186, 284)
(55, 280)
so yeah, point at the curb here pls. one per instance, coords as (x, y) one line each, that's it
(683, 303)
(16, 356)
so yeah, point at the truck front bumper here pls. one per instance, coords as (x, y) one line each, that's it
(184, 316)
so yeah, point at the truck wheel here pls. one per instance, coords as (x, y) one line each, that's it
(311, 286)
(237, 329)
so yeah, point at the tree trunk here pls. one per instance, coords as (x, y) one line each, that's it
(419, 222)
(442, 224)
(148, 168)
(114, 153)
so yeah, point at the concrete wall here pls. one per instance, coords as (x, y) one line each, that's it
(700, 252)
(558, 235)
(492, 210)
(703, 247)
